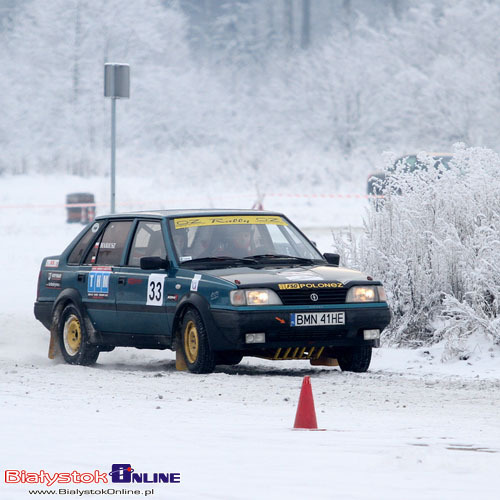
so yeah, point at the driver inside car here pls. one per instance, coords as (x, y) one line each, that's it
(237, 243)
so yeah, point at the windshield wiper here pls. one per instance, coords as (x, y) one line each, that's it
(219, 260)
(273, 256)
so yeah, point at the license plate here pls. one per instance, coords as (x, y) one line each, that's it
(317, 319)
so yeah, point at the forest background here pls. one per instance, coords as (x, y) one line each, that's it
(288, 91)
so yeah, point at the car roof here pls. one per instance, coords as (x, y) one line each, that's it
(189, 212)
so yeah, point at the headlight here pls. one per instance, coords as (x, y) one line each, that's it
(362, 294)
(254, 297)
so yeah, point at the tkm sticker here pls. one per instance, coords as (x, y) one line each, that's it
(98, 283)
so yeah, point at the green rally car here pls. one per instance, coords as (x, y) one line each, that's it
(212, 285)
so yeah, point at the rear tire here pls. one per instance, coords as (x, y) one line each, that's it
(354, 359)
(197, 353)
(73, 338)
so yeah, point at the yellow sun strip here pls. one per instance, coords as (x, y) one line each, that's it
(277, 353)
(294, 355)
(228, 220)
(311, 352)
(302, 352)
(285, 356)
(320, 352)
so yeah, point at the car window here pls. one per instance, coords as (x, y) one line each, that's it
(411, 163)
(110, 248)
(281, 243)
(148, 242)
(92, 253)
(76, 255)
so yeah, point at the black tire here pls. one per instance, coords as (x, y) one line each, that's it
(228, 358)
(73, 338)
(354, 359)
(197, 353)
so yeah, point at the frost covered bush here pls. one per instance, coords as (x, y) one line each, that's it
(435, 243)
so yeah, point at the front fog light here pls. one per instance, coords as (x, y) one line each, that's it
(255, 338)
(371, 334)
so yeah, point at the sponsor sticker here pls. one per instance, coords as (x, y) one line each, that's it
(53, 280)
(52, 263)
(229, 219)
(175, 297)
(185, 258)
(108, 245)
(98, 282)
(300, 276)
(95, 227)
(134, 281)
(195, 282)
(302, 286)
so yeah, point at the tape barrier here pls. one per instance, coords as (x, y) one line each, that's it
(57, 205)
(326, 195)
(142, 203)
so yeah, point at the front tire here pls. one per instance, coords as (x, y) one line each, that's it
(199, 357)
(73, 338)
(355, 359)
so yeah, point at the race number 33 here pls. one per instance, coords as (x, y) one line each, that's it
(155, 290)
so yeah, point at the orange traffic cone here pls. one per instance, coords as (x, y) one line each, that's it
(306, 415)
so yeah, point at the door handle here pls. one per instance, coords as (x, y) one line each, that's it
(122, 281)
(81, 277)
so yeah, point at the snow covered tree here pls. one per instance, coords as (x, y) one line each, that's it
(434, 242)
(55, 58)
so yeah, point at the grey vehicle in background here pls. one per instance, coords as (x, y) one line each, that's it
(377, 182)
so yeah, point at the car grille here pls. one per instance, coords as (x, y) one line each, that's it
(303, 297)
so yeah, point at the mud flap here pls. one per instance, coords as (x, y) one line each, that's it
(180, 361)
(324, 361)
(54, 350)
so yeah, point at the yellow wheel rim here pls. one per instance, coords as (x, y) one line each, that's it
(191, 342)
(72, 335)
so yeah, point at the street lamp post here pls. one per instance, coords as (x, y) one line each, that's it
(116, 86)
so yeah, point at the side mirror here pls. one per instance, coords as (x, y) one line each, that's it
(153, 263)
(332, 258)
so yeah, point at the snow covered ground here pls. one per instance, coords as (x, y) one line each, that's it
(411, 428)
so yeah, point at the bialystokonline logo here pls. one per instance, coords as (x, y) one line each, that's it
(123, 473)
(120, 473)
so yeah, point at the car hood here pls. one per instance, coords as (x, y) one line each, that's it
(247, 276)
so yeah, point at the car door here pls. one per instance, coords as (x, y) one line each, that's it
(96, 278)
(140, 294)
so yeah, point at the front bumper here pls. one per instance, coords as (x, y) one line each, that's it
(233, 324)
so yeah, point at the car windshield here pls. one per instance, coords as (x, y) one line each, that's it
(240, 240)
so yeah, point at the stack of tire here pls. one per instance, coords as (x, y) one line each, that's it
(78, 213)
